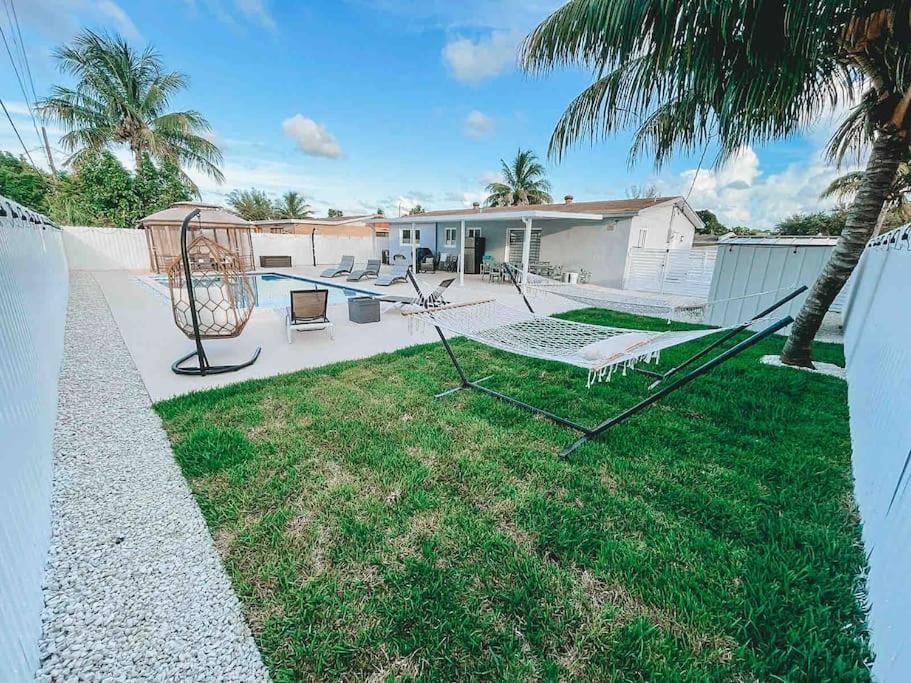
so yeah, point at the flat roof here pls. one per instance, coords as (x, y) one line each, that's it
(781, 241)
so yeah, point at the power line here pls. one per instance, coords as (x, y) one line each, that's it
(12, 62)
(16, 131)
(31, 81)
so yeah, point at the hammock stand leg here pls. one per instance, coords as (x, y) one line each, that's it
(680, 383)
(662, 376)
(466, 383)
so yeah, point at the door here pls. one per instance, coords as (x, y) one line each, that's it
(516, 237)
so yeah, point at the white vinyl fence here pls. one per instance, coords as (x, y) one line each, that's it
(33, 293)
(878, 355)
(687, 272)
(329, 248)
(90, 248)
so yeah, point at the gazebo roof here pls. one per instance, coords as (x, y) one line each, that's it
(210, 215)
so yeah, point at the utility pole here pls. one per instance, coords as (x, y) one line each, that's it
(47, 148)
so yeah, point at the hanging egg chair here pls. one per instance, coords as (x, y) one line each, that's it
(212, 297)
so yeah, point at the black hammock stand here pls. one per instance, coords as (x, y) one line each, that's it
(588, 433)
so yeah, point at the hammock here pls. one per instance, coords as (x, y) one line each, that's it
(597, 349)
(594, 348)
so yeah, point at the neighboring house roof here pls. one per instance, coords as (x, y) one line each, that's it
(600, 208)
(210, 214)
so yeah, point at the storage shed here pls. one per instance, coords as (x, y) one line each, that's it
(215, 222)
(747, 266)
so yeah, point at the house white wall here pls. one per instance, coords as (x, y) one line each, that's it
(600, 247)
(666, 226)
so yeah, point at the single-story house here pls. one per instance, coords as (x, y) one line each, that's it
(351, 226)
(595, 236)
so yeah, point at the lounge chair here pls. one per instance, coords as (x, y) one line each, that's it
(372, 269)
(308, 312)
(346, 265)
(398, 274)
(435, 298)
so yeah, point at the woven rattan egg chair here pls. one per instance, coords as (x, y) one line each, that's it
(211, 298)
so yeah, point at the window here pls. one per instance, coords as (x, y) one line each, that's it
(643, 236)
(473, 232)
(406, 236)
(450, 237)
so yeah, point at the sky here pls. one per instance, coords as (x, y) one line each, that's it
(366, 104)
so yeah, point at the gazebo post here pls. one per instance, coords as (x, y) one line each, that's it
(462, 256)
(526, 254)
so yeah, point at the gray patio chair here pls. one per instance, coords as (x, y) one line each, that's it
(308, 312)
(372, 269)
(435, 298)
(346, 265)
(399, 274)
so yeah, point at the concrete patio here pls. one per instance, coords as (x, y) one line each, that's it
(143, 315)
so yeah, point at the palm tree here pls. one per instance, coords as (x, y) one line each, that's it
(691, 73)
(897, 209)
(252, 205)
(292, 205)
(523, 182)
(121, 96)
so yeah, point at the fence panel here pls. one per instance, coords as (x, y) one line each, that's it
(33, 294)
(686, 272)
(89, 248)
(329, 248)
(877, 329)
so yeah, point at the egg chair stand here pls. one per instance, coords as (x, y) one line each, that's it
(202, 367)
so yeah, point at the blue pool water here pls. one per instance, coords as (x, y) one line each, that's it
(273, 289)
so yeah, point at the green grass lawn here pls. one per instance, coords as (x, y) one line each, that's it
(372, 530)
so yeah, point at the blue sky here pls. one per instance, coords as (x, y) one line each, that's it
(359, 104)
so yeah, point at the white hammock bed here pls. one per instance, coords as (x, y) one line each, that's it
(597, 349)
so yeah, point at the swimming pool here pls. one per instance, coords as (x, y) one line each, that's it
(273, 289)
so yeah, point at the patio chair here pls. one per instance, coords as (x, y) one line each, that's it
(435, 298)
(346, 265)
(451, 263)
(398, 274)
(372, 269)
(308, 312)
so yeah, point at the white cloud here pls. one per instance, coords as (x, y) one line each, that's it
(311, 137)
(488, 177)
(257, 9)
(739, 193)
(227, 11)
(478, 125)
(59, 20)
(473, 61)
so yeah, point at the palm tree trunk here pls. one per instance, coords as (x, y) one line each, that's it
(889, 150)
(137, 158)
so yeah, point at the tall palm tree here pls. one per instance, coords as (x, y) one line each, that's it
(121, 96)
(523, 182)
(691, 73)
(292, 205)
(897, 209)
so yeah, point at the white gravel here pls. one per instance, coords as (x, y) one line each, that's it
(829, 369)
(134, 589)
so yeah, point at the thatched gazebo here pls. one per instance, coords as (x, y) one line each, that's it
(220, 225)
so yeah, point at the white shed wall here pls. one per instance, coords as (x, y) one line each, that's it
(877, 329)
(742, 269)
(33, 294)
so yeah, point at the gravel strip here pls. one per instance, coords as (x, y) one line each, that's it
(134, 588)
